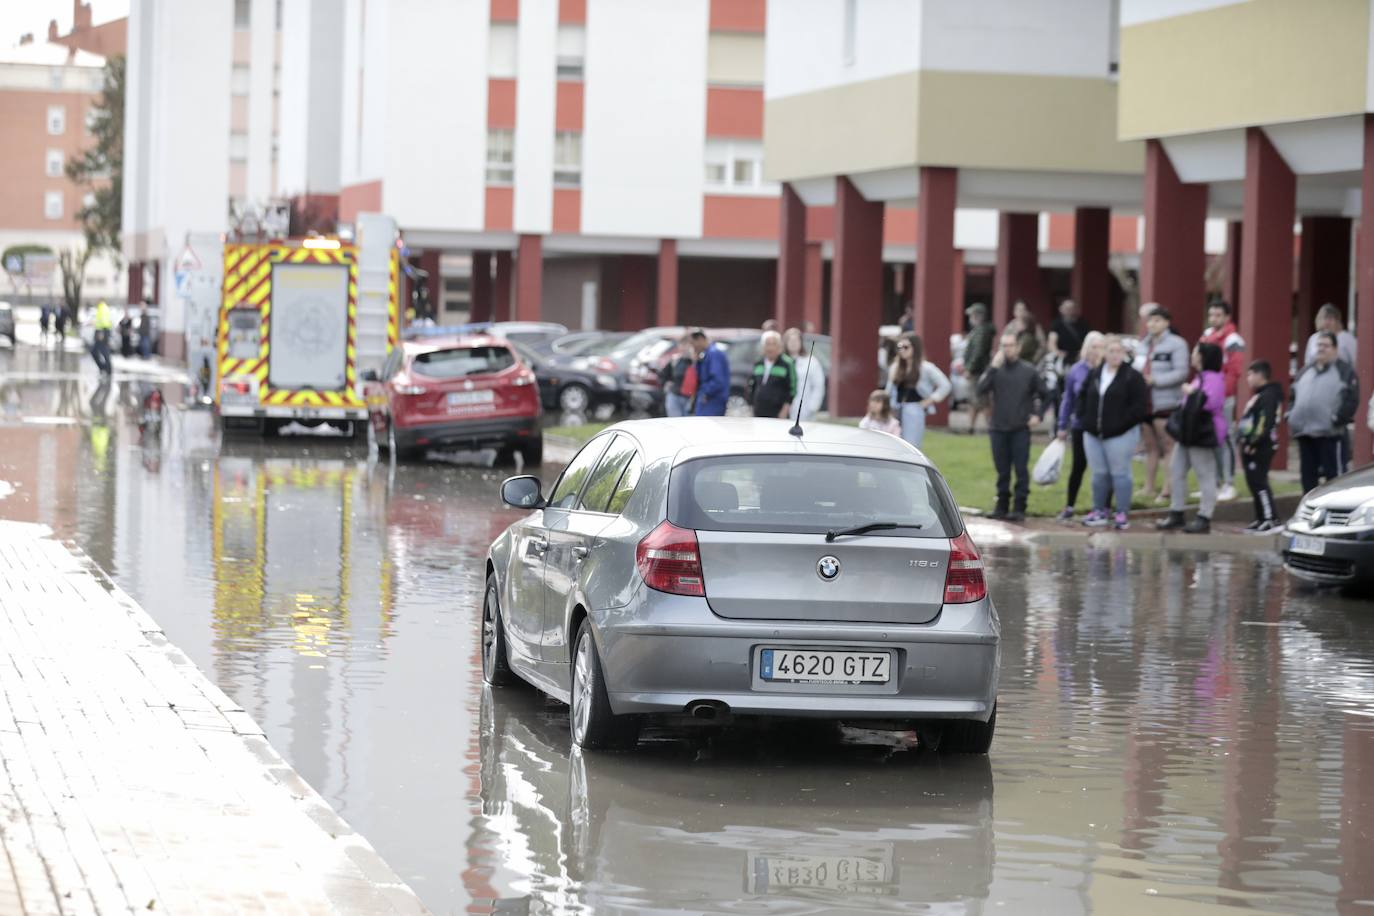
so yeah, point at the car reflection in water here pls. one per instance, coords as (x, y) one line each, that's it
(724, 821)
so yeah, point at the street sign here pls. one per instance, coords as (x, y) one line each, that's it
(187, 260)
(14, 263)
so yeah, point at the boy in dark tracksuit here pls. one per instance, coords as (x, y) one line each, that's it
(1258, 440)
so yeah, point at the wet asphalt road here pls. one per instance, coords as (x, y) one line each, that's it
(1188, 727)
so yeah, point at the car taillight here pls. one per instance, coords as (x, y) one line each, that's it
(669, 560)
(964, 580)
(523, 379)
(238, 387)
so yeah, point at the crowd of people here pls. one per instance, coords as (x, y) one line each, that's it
(135, 331)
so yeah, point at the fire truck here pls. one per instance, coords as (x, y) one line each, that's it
(300, 321)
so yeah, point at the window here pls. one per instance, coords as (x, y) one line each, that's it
(238, 147)
(565, 492)
(240, 79)
(626, 487)
(788, 494)
(851, 14)
(243, 12)
(735, 165)
(502, 57)
(55, 162)
(52, 204)
(87, 200)
(57, 120)
(500, 156)
(572, 51)
(601, 485)
(567, 158)
(462, 362)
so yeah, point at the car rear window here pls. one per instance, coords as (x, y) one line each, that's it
(813, 494)
(462, 361)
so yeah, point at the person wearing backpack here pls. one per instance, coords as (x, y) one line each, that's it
(1197, 425)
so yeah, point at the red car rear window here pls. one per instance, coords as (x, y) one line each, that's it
(462, 361)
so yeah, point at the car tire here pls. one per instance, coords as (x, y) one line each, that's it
(495, 663)
(574, 398)
(590, 721)
(968, 736)
(532, 453)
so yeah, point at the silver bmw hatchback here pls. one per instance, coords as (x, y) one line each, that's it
(712, 567)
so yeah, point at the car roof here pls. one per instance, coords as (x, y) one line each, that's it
(450, 342)
(686, 438)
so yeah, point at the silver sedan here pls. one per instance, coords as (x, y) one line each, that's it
(713, 567)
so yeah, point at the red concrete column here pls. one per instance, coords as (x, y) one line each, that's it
(157, 283)
(956, 300)
(936, 260)
(1018, 269)
(788, 307)
(1090, 284)
(1364, 318)
(481, 286)
(135, 277)
(813, 295)
(856, 299)
(1323, 269)
(1230, 284)
(1266, 263)
(636, 287)
(501, 300)
(529, 279)
(667, 283)
(1173, 264)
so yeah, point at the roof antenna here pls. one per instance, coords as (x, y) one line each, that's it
(796, 429)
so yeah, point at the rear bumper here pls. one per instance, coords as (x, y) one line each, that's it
(299, 413)
(665, 654)
(481, 433)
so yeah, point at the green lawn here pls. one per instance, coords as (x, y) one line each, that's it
(966, 462)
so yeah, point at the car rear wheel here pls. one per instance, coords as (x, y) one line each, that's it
(590, 719)
(532, 453)
(495, 666)
(968, 736)
(575, 398)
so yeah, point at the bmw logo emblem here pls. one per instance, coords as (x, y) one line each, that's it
(828, 568)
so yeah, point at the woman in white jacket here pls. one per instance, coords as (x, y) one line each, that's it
(810, 374)
(915, 387)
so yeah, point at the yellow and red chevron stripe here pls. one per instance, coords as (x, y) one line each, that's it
(248, 285)
(393, 325)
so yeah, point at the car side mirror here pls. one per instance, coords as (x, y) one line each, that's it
(523, 492)
(371, 375)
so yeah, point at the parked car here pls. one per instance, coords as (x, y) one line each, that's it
(564, 387)
(707, 567)
(455, 392)
(7, 322)
(537, 335)
(578, 342)
(1330, 539)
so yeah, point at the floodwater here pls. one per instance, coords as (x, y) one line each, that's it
(1182, 729)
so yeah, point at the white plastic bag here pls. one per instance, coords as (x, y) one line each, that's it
(1046, 469)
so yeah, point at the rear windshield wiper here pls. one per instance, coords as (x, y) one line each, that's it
(865, 529)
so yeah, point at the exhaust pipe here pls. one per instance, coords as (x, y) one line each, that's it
(708, 710)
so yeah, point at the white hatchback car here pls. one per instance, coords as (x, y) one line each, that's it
(722, 566)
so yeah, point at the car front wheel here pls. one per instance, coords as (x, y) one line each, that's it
(495, 666)
(574, 398)
(590, 719)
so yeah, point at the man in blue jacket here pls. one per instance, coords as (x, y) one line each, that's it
(713, 377)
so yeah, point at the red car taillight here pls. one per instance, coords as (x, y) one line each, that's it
(669, 559)
(238, 387)
(964, 581)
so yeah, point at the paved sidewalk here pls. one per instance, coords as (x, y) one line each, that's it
(130, 783)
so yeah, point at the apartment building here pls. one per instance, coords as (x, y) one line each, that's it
(47, 90)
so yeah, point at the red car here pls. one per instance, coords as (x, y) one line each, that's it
(468, 391)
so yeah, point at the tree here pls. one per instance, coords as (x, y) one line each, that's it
(72, 262)
(100, 169)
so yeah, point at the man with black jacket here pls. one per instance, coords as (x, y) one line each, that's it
(1258, 439)
(1019, 399)
(773, 383)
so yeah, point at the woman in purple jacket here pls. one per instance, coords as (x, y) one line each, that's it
(1068, 423)
(1199, 456)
